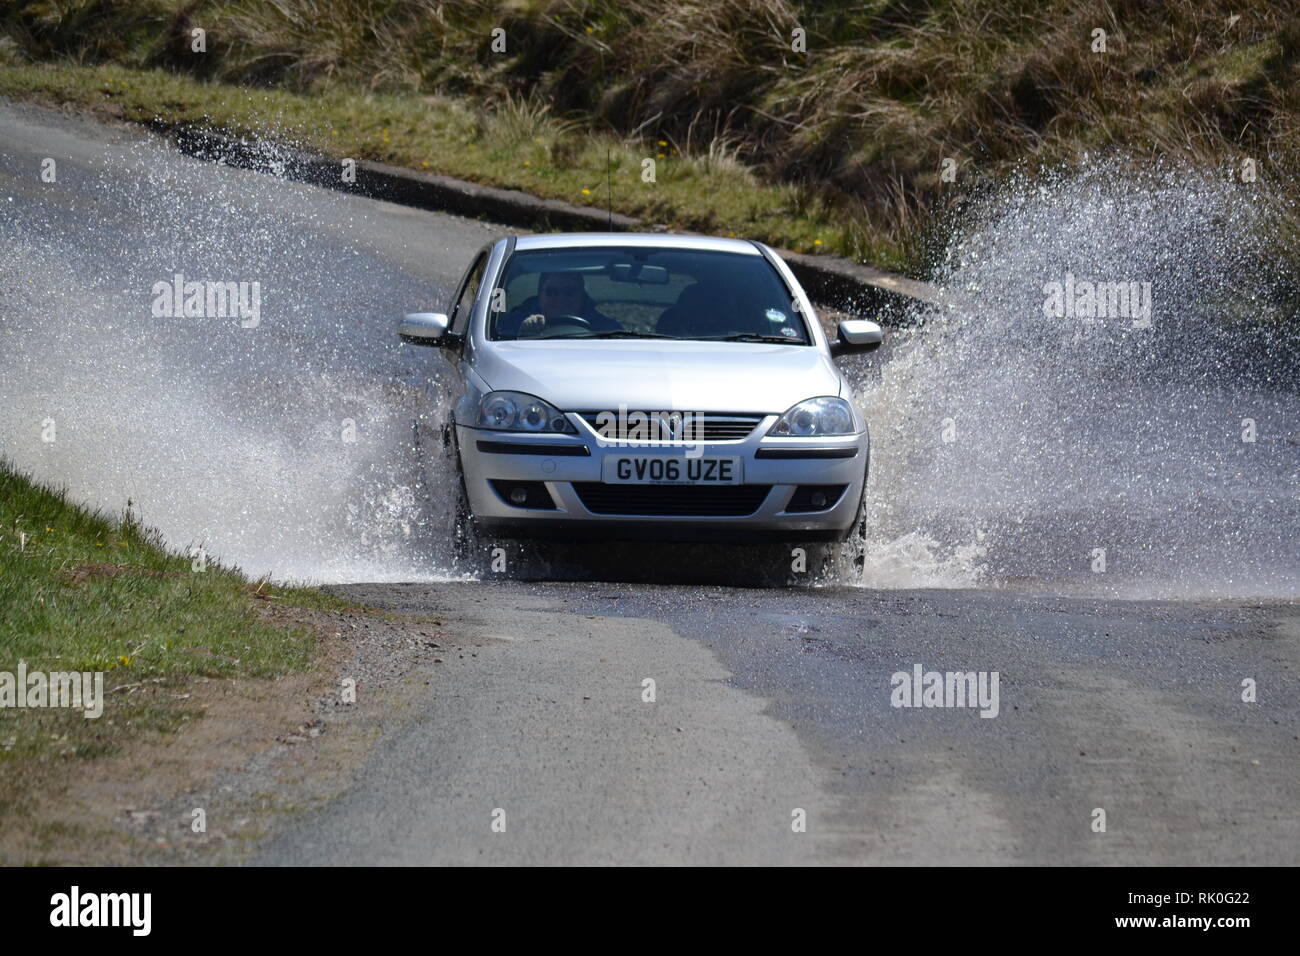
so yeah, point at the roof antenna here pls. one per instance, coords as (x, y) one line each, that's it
(609, 190)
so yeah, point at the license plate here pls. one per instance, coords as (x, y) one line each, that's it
(664, 470)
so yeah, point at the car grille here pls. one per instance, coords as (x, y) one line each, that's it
(717, 426)
(729, 501)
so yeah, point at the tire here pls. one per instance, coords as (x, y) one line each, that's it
(857, 531)
(855, 535)
(465, 537)
(462, 532)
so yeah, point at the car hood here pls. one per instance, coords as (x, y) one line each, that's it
(650, 375)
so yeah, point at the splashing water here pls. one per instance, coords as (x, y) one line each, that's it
(1008, 448)
(283, 448)
(1094, 454)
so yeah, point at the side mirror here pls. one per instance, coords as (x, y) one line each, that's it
(423, 328)
(857, 335)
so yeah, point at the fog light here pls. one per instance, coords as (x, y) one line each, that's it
(808, 498)
(523, 494)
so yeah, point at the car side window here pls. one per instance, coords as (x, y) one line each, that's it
(464, 305)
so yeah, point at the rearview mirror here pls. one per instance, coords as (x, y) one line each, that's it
(423, 328)
(638, 272)
(857, 335)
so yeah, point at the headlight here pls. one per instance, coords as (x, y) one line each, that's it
(517, 412)
(816, 416)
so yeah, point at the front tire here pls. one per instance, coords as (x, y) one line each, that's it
(857, 531)
(465, 536)
(855, 535)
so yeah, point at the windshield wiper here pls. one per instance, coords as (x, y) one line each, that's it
(615, 334)
(748, 337)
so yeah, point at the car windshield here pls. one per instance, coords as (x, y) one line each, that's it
(643, 292)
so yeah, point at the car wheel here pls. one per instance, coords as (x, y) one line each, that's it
(855, 535)
(857, 531)
(464, 531)
(462, 522)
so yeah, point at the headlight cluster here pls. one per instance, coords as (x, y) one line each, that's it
(816, 416)
(517, 412)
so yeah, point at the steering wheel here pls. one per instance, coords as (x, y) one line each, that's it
(557, 325)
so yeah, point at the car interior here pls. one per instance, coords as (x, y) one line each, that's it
(684, 299)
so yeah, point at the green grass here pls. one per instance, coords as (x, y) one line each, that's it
(517, 144)
(82, 591)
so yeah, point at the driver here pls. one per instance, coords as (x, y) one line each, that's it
(560, 294)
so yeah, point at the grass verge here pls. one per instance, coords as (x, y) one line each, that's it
(83, 591)
(515, 144)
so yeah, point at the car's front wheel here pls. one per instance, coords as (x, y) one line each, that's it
(464, 530)
(855, 535)
(857, 531)
(462, 522)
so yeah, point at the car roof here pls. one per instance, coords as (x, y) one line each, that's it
(571, 240)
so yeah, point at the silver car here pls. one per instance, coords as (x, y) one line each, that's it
(647, 386)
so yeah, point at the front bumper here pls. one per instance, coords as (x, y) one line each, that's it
(569, 469)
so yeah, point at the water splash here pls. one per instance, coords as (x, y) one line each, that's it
(285, 449)
(1009, 449)
(1092, 454)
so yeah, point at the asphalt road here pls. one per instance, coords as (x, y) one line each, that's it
(767, 701)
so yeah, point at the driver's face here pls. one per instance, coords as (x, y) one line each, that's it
(560, 297)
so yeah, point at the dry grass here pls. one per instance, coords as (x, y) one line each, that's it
(885, 92)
